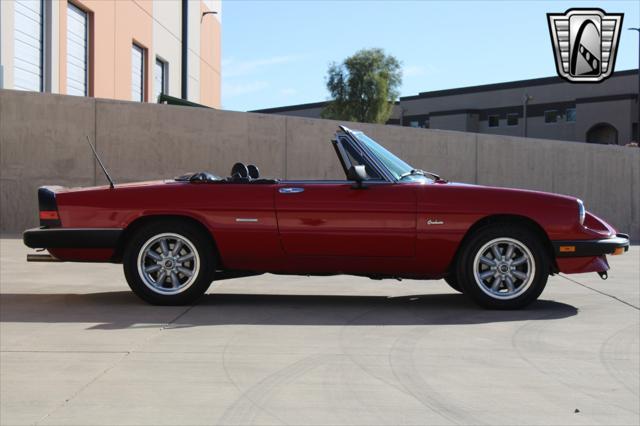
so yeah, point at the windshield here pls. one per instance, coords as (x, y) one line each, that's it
(396, 166)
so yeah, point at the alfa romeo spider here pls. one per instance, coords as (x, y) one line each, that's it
(386, 219)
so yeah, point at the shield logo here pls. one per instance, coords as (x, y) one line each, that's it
(585, 43)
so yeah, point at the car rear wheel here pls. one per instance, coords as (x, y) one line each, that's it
(169, 263)
(503, 267)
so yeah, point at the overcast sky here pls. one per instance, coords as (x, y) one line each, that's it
(276, 53)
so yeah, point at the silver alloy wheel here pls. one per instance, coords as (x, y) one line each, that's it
(168, 263)
(504, 268)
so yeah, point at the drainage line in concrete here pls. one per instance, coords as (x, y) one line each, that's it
(180, 315)
(601, 292)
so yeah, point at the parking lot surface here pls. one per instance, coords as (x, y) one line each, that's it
(78, 348)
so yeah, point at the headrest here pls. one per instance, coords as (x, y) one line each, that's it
(254, 173)
(239, 170)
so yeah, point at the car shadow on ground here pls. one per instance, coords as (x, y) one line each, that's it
(118, 310)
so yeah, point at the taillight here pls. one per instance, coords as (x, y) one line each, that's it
(48, 207)
(49, 215)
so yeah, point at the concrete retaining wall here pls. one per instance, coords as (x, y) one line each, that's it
(42, 141)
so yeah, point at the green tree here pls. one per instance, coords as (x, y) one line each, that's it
(363, 87)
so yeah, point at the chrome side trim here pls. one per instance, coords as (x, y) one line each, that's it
(246, 219)
(290, 190)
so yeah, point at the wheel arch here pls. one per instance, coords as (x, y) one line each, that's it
(144, 220)
(508, 219)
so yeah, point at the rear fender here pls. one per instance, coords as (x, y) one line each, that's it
(143, 220)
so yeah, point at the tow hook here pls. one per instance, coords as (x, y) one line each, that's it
(603, 275)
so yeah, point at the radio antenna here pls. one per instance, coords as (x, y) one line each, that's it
(111, 185)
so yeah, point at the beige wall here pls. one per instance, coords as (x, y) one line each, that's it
(114, 26)
(194, 50)
(209, 59)
(6, 43)
(42, 142)
(167, 40)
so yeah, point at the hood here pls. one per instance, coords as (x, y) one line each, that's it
(514, 191)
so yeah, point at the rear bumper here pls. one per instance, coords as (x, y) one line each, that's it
(72, 238)
(588, 248)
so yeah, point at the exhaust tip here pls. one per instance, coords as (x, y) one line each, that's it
(42, 258)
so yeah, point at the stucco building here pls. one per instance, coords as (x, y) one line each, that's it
(118, 49)
(555, 109)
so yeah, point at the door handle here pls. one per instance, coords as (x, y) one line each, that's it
(290, 190)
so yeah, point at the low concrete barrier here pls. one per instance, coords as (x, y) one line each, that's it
(42, 141)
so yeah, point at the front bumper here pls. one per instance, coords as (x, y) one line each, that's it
(588, 248)
(72, 238)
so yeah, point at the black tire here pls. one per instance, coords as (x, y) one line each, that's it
(452, 280)
(202, 266)
(478, 289)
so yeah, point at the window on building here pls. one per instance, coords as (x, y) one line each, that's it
(28, 52)
(512, 119)
(77, 51)
(551, 116)
(571, 114)
(137, 73)
(494, 121)
(160, 83)
(414, 123)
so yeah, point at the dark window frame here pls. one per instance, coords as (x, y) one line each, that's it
(88, 48)
(513, 115)
(496, 117)
(42, 42)
(165, 76)
(143, 70)
(43, 45)
(554, 111)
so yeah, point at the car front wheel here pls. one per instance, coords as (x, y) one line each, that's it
(503, 267)
(169, 263)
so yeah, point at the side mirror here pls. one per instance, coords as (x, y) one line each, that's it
(358, 174)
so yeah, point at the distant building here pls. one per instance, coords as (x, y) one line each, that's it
(599, 113)
(118, 49)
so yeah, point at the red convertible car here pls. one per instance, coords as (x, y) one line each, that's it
(387, 219)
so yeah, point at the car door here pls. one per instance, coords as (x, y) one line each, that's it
(243, 220)
(335, 219)
(341, 218)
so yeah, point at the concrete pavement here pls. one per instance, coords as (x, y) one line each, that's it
(77, 348)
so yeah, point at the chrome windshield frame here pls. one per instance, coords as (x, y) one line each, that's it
(370, 155)
(374, 162)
